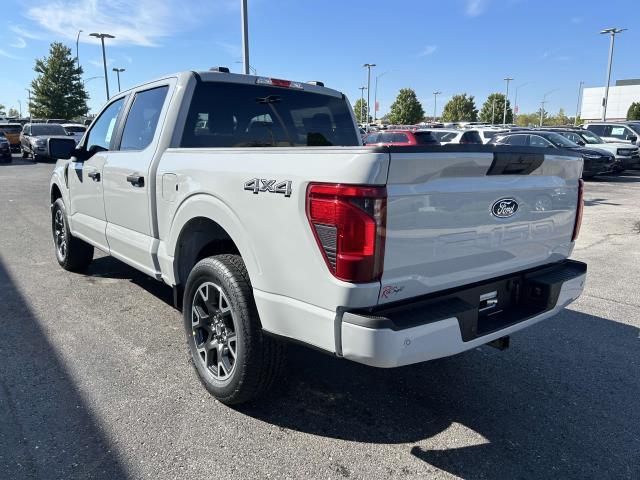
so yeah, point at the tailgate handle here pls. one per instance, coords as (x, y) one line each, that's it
(135, 180)
(514, 163)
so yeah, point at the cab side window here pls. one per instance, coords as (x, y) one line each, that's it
(102, 130)
(537, 141)
(142, 120)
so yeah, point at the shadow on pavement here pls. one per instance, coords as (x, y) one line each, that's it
(625, 177)
(556, 405)
(597, 201)
(47, 430)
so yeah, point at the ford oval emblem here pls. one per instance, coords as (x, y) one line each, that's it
(504, 208)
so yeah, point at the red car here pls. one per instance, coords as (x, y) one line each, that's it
(400, 138)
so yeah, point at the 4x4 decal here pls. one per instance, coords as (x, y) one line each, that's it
(257, 185)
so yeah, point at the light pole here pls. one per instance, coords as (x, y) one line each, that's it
(368, 66)
(506, 97)
(375, 97)
(515, 102)
(612, 32)
(118, 72)
(245, 36)
(102, 36)
(29, 92)
(493, 111)
(435, 104)
(542, 103)
(77, 54)
(575, 120)
(20, 107)
(362, 89)
(255, 72)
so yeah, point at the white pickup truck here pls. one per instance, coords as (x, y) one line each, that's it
(255, 200)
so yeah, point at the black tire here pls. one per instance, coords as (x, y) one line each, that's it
(258, 359)
(76, 255)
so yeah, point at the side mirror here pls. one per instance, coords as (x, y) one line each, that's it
(632, 138)
(62, 148)
(582, 143)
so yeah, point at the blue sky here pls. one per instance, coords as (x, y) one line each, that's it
(453, 46)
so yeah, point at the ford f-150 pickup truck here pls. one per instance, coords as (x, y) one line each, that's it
(254, 198)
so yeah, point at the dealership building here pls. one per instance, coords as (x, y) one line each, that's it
(621, 96)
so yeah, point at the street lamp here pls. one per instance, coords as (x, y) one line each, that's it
(506, 97)
(544, 100)
(255, 72)
(20, 107)
(612, 32)
(375, 97)
(29, 92)
(435, 103)
(245, 36)
(102, 36)
(515, 102)
(575, 120)
(362, 89)
(368, 66)
(118, 72)
(77, 41)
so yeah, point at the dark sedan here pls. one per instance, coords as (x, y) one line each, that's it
(5, 149)
(596, 162)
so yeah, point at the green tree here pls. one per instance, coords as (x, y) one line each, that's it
(407, 109)
(360, 110)
(13, 113)
(492, 110)
(2, 107)
(634, 111)
(461, 108)
(528, 119)
(58, 91)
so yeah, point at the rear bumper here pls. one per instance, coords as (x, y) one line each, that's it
(450, 323)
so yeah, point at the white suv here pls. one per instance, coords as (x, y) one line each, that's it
(627, 132)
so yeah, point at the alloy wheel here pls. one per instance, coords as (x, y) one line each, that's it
(59, 234)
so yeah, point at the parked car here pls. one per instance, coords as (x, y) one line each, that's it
(267, 235)
(12, 132)
(625, 132)
(74, 130)
(400, 137)
(486, 134)
(450, 135)
(34, 136)
(57, 120)
(596, 162)
(627, 156)
(5, 149)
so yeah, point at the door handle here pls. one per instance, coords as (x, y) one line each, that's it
(95, 176)
(135, 180)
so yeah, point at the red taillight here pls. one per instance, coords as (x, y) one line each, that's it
(579, 208)
(348, 222)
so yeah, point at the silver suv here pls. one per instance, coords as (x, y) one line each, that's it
(626, 132)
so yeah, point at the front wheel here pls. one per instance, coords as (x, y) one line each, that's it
(72, 253)
(235, 361)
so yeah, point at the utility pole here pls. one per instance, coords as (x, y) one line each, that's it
(375, 97)
(542, 104)
(575, 120)
(118, 72)
(506, 98)
(605, 100)
(245, 36)
(77, 54)
(368, 66)
(102, 36)
(362, 89)
(435, 104)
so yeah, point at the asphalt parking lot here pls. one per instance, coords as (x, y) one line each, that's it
(96, 383)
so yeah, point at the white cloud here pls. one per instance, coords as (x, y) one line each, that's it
(140, 22)
(8, 55)
(127, 59)
(25, 33)
(19, 43)
(98, 62)
(475, 7)
(428, 50)
(232, 49)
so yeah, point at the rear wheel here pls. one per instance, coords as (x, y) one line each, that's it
(235, 361)
(72, 253)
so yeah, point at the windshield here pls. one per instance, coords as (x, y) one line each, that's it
(47, 129)
(635, 127)
(241, 115)
(11, 128)
(560, 141)
(590, 137)
(78, 129)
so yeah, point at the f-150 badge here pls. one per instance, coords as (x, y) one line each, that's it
(257, 185)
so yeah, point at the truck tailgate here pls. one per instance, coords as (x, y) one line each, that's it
(462, 214)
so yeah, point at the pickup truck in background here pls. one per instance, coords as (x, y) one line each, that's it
(254, 198)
